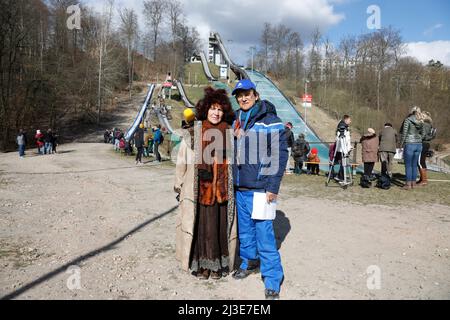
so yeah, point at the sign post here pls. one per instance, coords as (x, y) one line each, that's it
(307, 103)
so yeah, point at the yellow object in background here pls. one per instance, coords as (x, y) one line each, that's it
(141, 126)
(189, 115)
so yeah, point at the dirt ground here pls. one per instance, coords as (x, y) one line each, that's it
(89, 216)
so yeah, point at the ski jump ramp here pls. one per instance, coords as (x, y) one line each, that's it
(187, 102)
(238, 71)
(141, 114)
(206, 68)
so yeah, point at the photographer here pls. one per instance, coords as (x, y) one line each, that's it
(343, 143)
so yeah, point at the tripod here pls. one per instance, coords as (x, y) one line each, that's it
(345, 163)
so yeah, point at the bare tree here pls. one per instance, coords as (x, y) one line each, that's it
(314, 55)
(129, 29)
(330, 59)
(296, 44)
(266, 42)
(175, 15)
(385, 44)
(105, 65)
(154, 11)
(279, 45)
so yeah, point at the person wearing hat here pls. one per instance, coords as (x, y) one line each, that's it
(139, 143)
(370, 144)
(313, 162)
(258, 173)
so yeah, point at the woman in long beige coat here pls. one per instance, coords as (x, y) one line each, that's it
(370, 143)
(206, 231)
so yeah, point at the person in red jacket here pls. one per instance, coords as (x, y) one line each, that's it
(39, 141)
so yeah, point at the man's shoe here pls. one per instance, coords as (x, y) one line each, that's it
(242, 274)
(272, 294)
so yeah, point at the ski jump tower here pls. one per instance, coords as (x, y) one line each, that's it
(218, 54)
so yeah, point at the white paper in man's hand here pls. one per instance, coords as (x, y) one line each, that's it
(261, 209)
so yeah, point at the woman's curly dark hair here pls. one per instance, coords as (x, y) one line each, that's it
(211, 97)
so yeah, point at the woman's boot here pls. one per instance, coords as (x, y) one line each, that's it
(423, 178)
(407, 186)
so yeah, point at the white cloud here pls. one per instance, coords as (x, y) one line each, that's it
(242, 20)
(425, 51)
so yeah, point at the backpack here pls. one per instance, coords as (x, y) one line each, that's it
(384, 182)
(161, 139)
(365, 182)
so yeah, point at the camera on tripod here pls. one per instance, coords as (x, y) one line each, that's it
(341, 129)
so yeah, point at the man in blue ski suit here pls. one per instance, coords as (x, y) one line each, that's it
(261, 156)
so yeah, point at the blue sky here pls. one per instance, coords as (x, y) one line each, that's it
(418, 20)
(424, 24)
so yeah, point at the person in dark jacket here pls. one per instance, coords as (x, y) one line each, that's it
(290, 142)
(54, 142)
(48, 149)
(106, 136)
(139, 143)
(300, 149)
(129, 146)
(412, 136)
(370, 143)
(387, 149)
(257, 175)
(428, 135)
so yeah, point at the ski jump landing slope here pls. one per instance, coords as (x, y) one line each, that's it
(287, 112)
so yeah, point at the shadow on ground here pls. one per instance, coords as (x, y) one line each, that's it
(84, 258)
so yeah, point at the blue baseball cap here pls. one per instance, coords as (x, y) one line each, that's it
(244, 84)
